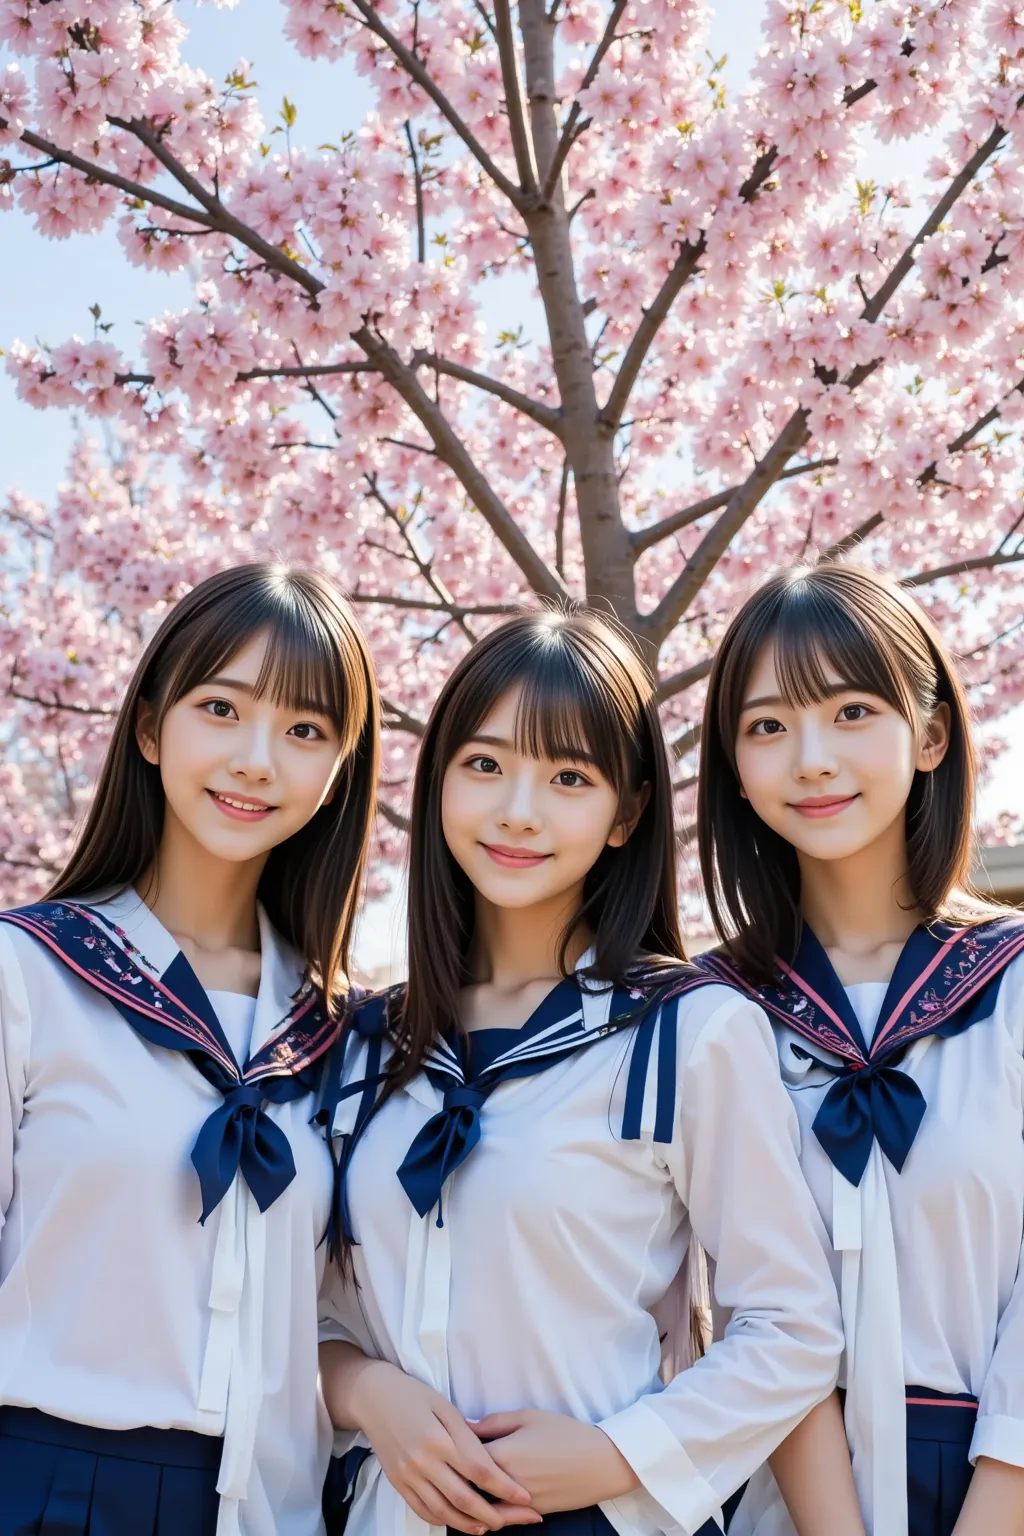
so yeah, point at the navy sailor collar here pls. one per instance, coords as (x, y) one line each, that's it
(942, 983)
(945, 981)
(157, 993)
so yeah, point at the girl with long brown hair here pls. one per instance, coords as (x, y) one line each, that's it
(165, 1014)
(531, 1130)
(835, 814)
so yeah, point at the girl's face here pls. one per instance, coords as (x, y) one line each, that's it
(832, 777)
(240, 774)
(525, 830)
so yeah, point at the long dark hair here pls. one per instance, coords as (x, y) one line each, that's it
(583, 689)
(862, 626)
(317, 658)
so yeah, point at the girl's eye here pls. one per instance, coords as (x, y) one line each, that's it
(570, 778)
(767, 728)
(306, 731)
(221, 709)
(851, 713)
(483, 765)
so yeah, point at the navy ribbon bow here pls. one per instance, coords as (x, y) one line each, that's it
(945, 980)
(876, 1102)
(445, 1141)
(173, 1011)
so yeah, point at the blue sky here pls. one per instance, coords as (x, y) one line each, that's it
(47, 286)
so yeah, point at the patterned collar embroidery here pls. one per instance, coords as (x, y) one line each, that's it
(940, 986)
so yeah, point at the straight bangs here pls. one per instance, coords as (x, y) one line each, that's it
(583, 696)
(821, 648)
(830, 628)
(310, 664)
(316, 661)
(568, 706)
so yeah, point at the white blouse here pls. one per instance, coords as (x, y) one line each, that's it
(558, 1236)
(117, 1309)
(928, 1260)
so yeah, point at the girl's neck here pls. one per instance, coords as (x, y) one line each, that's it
(207, 900)
(861, 908)
(513, 947)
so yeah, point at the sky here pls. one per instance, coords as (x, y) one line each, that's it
(48, 286)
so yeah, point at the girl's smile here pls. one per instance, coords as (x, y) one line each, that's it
(515, 858)
(241, 810)
(823, 805)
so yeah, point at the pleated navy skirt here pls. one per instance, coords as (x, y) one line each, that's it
(939, 1431)
(63, 1479)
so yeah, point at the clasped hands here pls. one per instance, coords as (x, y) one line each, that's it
(529, 1463)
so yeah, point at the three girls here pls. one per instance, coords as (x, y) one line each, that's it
(535, 1129)
(836, 799)
(164, 1016)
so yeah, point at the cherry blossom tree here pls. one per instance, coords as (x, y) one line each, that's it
(744, 344)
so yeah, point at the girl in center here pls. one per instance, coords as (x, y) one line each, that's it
(533, 1131)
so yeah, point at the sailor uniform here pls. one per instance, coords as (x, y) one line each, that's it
(910, 1098)
(519, 1208)
(161, 1208)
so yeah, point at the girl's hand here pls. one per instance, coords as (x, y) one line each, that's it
(429, 1454)
(563, 1463)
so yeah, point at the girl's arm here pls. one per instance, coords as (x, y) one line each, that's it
(426, 1449)
(813, 1471)
(995, 1501)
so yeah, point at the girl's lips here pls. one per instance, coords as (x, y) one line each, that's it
(514, 858)
(243, 809)
(823, 807)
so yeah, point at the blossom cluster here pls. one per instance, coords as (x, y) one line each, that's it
(844, 348)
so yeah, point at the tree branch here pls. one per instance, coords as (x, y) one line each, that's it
(217, 216)
(572, 127)
(658, 624)
(123, 184)
(451, 449)
(58, 708)
(394, 817)
(685, 266)
(742, 503)
(399, 719)
(518, 134)
(424, 567)
(547, 416)
(417, 71)
(454, 610)
(685, 742)
(962, 568)
(642, 539)
(668, 687)
(417, 174)
(956, 188)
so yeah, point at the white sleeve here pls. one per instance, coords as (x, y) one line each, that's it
(734, 1162)
(15, 1034)
(338, 1312)
(999, 1432)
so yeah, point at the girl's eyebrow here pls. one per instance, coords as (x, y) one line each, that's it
(300, 706)
(766, 698)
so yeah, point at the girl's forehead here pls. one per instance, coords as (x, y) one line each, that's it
(770, 680)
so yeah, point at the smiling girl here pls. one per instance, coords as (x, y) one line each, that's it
(836, 802)
(163, 1018)
(533, 1129)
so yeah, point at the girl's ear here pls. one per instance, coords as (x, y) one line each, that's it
(145, 733)
(624, 828)
(935, 741)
